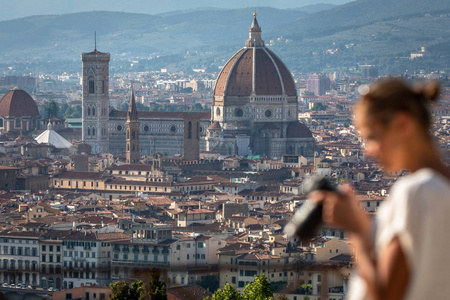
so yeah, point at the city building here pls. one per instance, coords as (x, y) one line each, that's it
(20, 258)
(318, 84)
(254, 111)
(255, 108)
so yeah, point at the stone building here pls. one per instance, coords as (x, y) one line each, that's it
(255, 107)
(254, 112)
(95, 100)
(104, 128)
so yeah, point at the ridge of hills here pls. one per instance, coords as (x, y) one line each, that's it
(379, 32)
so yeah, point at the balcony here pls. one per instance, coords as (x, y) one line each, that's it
(165, 251)
(145, 250)
(136, 250)
(116, 249)
(155, 251)
(126, 250)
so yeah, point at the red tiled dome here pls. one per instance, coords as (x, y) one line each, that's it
(297, 130)
(259, 65)
(18, 103)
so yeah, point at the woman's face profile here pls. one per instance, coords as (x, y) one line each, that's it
(381, 142)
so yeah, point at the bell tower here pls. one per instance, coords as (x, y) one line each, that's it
(95, 100)
(132, 127)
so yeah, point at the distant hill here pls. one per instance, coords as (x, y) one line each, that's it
(366, 11)
(66, 36)
(13, 9)
(320, 37)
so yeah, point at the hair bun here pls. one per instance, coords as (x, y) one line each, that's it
(429, 90)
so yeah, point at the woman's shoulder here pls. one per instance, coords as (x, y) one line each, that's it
(425, 180)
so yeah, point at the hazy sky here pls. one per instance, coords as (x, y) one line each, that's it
(12, 9)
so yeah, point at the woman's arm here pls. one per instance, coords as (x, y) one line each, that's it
(386, 275)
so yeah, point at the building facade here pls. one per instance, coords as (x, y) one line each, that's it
(255, 107)
(20, 258)
(254, 111)
(95, 100)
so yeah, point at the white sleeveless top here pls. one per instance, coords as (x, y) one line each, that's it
(418, 213)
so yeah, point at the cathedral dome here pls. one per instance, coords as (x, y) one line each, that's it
(297, 130)
(255, 70)
(18, 103)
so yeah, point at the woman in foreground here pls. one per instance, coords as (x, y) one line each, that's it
(405, 253)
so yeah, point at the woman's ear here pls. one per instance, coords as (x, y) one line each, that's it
(403, 123)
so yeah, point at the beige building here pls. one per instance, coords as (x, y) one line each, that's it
(327, 248)
(84, 292)
(190, 216)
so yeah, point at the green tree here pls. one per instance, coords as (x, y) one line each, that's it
(304, 289)
(227, 293)
(319, 107)
(52, 109)
(196, 107)
(153, 289)
(77, 113)
(123, 291)
(259, 289)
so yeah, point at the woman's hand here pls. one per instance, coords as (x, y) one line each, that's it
(341, 208)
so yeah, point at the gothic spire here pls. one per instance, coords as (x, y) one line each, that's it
(254, 34)
(132, 113)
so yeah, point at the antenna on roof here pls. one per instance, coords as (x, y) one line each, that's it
(95, 40)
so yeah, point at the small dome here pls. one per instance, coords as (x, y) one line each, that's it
(18, 103)
(297, 130)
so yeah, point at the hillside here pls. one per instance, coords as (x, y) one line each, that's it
(379, 32)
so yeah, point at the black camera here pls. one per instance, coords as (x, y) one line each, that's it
(307, 220)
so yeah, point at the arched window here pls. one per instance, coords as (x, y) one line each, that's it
(103, 86)
(133, 134)
(91, 85)
(18, 123)
(128, 147)
(89, 111)
(218, 112)
(93, 111)
(128, 133)
(93, 131)
(133, 148)
(89, 131)
(1, 122)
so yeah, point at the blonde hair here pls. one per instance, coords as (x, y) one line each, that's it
(389, 96)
